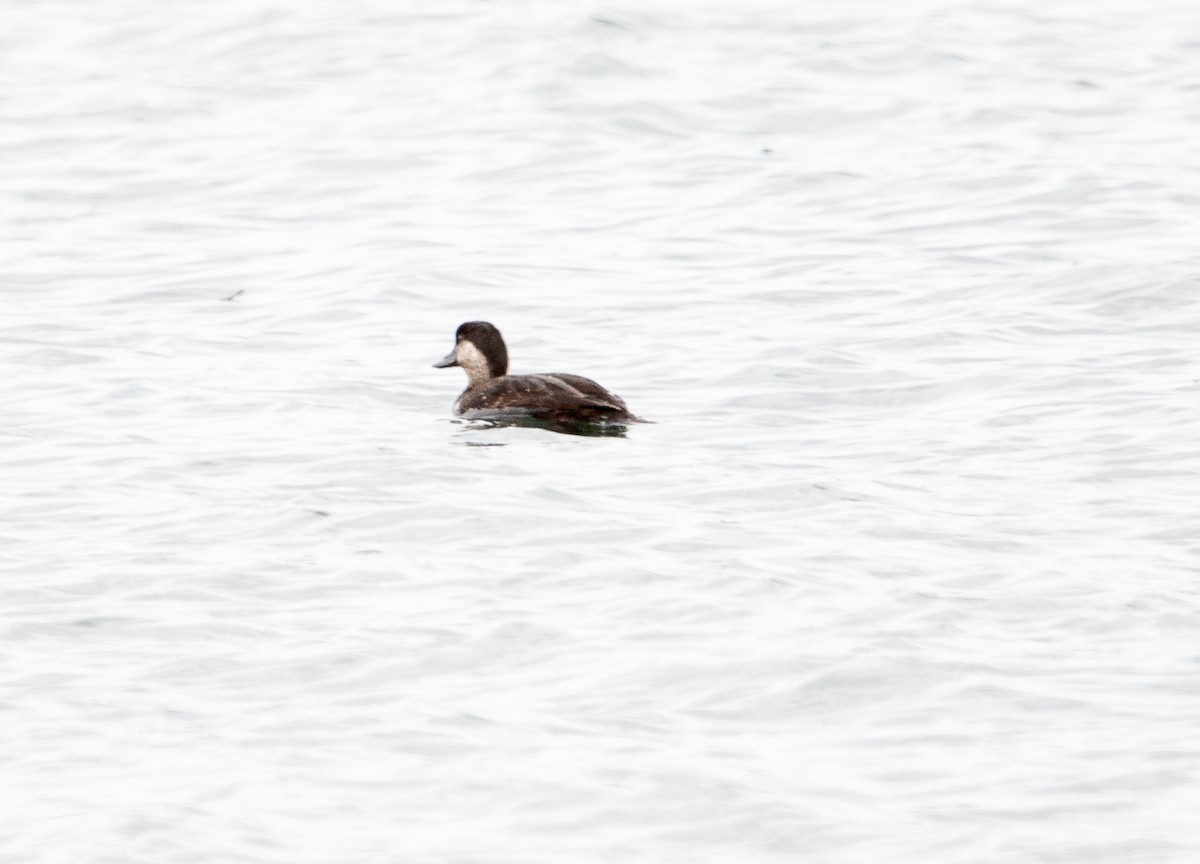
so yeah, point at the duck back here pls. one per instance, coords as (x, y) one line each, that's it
(558, 395)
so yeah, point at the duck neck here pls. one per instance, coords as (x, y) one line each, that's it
(474, 363)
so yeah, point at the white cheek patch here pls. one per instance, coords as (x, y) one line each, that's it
(473, 362)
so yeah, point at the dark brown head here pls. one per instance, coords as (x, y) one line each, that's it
(479, 350)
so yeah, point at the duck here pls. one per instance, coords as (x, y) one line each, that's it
(557, 399)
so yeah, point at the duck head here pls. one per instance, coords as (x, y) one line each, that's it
(479, 349)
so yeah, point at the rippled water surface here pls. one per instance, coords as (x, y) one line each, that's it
(905, 571)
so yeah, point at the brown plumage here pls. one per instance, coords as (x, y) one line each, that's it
(493, 394)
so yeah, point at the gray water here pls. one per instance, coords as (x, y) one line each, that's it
(905, 570)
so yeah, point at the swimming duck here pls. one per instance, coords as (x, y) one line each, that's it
(492, 393)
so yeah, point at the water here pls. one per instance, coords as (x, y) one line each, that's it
(905, 570)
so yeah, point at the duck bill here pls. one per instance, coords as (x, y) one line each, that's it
(449, 360)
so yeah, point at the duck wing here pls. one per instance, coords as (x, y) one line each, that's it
(544, 394)
(590, 392)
